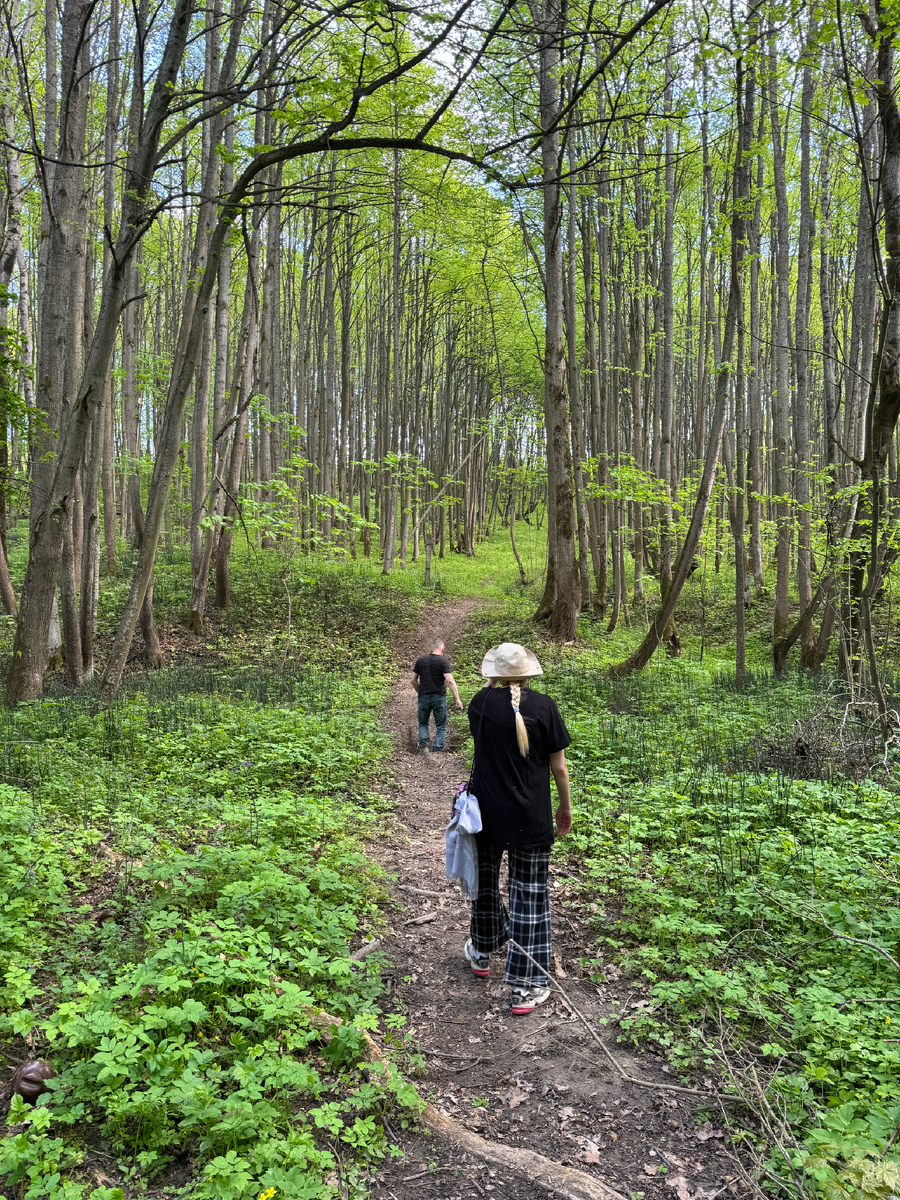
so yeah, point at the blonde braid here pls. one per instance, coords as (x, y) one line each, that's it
(515, 695)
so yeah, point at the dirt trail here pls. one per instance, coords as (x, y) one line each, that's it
(534, 1081)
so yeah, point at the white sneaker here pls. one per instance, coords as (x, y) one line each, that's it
(480, 963)
(526, 999)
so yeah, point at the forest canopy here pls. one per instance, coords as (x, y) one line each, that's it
(370, 280)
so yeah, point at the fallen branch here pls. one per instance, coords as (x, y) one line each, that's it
(423, 920)
(541, 1171)
(365, 950)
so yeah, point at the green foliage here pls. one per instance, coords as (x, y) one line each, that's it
(181, 881)
(740, 861)
(750, 880)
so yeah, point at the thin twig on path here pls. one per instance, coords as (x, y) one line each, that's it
(430, 1171)
(870, 1000)
(645, 1083)
(472, 1059)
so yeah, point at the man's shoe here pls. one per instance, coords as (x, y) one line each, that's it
(424, 748)
(526, 999)
(480, 963)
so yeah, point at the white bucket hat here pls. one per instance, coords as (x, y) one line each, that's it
(509, 660)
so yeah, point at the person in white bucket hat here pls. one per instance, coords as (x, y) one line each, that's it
(520, 740)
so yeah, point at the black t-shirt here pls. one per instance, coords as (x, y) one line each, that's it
(431, 669)
(514, 792)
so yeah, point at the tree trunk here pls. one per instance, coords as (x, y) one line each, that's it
(90, 558)
(563, 616)
(667, 390)
(781, 398)
(754, 405)
(578, 439)
(801, 370)
(51, 494)
(639, 659)
(242, 388)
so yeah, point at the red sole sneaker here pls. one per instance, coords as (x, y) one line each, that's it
(479, 972)
(521, 1008)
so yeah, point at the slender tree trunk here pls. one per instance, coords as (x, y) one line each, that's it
(754, 405)
(667, 392)
(781, 399)
(563, 617)
(801, 371)
(90, 561)
(578, 439)
(682, 569)
(829, 394)
(597, 509)
(242, 387)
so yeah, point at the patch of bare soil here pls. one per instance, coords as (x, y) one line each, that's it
(535, 1082)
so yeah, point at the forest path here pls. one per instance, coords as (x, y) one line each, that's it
(535, 1081)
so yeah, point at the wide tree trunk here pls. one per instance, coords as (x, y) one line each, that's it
(51, 495)
(882, 408)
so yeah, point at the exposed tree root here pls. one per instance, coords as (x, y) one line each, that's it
(543, 1172)
(562, 1181)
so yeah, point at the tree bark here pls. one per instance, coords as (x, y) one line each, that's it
(667, 390)
(563, 616)
(803, 307)
(781, 399)
(52, 494)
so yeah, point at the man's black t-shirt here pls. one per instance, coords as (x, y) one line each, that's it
(514, 792)
(431, 669)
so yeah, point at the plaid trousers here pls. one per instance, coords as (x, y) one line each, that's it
(528, 919)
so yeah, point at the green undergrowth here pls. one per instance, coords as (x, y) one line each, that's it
(742, 866)
(285, 611)
(182, 881)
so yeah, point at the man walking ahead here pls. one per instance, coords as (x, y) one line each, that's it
(431, 676)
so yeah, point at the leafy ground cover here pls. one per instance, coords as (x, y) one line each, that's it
(743, 861)
(182, 881)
